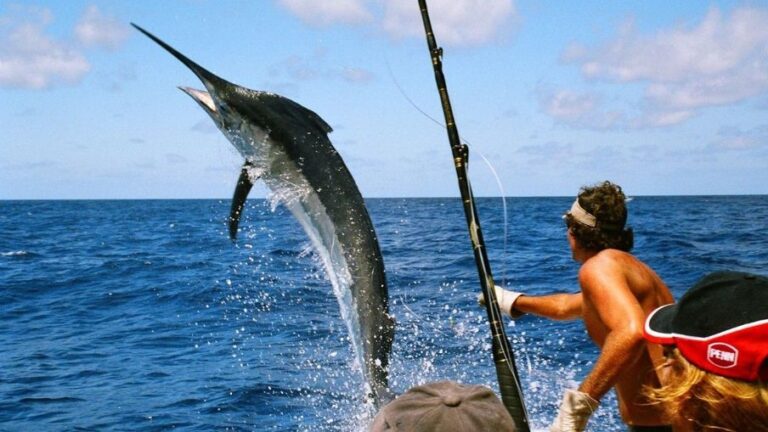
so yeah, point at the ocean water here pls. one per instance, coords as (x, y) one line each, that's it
(143, 316)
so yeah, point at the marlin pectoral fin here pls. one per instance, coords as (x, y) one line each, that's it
(244, 185)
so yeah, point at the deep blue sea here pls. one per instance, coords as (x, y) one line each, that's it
(143, 316)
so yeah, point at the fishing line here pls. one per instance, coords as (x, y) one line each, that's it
(504, 210)
(487, 162)
(419, 319)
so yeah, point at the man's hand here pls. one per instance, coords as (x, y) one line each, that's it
(506, 300)
(574, 412)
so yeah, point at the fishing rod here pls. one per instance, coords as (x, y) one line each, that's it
(503, 358)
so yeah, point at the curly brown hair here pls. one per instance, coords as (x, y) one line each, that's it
(607, 203)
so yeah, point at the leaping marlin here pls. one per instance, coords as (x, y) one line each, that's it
(287, 146)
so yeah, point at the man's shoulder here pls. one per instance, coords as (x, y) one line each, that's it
(614, 267)
(609, 263)
(608, 258)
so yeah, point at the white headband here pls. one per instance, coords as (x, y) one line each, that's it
(582, 216)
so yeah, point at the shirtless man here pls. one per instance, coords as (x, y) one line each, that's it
(617, 292)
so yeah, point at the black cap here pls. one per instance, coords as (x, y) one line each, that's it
(720, 325)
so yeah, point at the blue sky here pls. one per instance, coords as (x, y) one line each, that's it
(661, 97)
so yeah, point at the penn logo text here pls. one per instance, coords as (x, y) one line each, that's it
(722, 355)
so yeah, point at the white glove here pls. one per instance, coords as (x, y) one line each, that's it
(574, 412)
(506, 300)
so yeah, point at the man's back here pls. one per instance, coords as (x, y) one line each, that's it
(619, 291)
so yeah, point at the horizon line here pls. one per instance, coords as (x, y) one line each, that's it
(383, 197)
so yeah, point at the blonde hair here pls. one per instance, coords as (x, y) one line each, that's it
(704, 401)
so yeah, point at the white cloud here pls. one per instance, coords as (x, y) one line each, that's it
(661, 118)
(583, 109)
(175, 159)
(95, 29)
(30, 166)
(327, 12)
(456, 22)
(736, 139)
(31, 59)
(588, 110)
(721, 60)
(714, 47)
(569, 105)
(572, 160)
(357, 75)
(298, 68)
(701, 91)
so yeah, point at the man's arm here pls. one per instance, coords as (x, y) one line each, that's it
(554, 306)
(607, 295)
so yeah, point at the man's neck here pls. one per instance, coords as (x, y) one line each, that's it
(581, 255)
